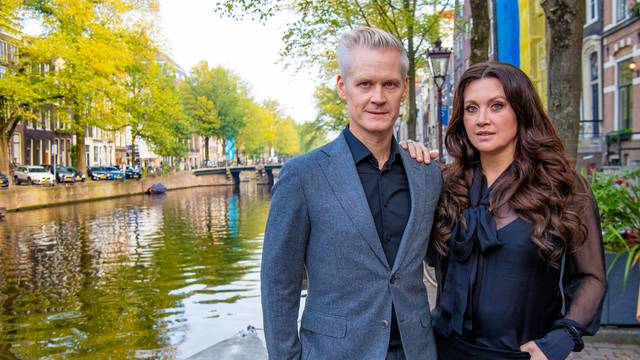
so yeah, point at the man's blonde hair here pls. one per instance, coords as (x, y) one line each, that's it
(371, 38)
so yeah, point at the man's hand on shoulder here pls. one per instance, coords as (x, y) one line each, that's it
(419, 152)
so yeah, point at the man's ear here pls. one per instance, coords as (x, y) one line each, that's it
(340, 85)
(405, 93)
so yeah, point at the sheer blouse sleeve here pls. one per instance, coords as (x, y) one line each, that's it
(584, 279)
(583, 287)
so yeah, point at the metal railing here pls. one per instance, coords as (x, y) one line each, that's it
(590, 129)
(616, 138)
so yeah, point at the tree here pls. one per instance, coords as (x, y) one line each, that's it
(220, 112)
(154, 105)
(332, 112)
(256, 136)
(565, 20)
(76, 34)
(8, 13)
(311, 135)
(312, 38)
(286, 142)
(154, 108)
(21, 91)
(480, 31)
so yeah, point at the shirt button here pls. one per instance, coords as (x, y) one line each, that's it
(393, 279)
(385, 323)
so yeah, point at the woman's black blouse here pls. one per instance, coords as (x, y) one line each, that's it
(498, 292)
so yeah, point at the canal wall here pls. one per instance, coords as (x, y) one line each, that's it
(17, 198)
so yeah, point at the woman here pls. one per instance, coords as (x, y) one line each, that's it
(516, 243)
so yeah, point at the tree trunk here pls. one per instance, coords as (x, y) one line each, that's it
(565, 19)
(4, 154)
(411, 73)
(206, 148)
(81, 151)
(133, 149)
(413, 111)
(480, 31)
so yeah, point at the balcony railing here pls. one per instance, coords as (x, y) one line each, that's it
(590, 129)
(619, 141)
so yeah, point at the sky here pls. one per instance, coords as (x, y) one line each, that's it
(193, 32)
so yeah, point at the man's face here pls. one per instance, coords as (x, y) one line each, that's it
(373, 88)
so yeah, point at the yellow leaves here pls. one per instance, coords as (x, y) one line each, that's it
(287, 142)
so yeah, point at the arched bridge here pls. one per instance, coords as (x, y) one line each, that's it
(236, 170)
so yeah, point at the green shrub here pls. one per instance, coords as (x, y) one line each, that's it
(618, 198)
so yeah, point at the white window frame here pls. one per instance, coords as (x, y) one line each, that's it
(615, 12)
(591, 17)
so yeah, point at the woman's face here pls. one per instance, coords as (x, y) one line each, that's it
(489, 119)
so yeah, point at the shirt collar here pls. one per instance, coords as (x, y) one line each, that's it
(359, 151)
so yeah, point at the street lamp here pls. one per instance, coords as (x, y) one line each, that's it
(438, 59)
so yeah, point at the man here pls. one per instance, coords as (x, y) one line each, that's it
(356, 214)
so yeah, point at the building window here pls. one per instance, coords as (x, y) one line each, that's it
(30, 151)
(592, 10)
(36, 152)
(16, 149)
(95, 154)
(68, 152)
(595, 92)
(46, 120)
(623, 10)
(3, 71)
(593, 65)
(3, 52)
(625, 93)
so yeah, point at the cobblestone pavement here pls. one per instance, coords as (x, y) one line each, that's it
(599, 351)
(592, 350)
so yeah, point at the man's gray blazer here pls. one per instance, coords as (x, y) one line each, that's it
(320, 220)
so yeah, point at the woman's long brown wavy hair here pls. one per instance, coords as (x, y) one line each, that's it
(543, 188)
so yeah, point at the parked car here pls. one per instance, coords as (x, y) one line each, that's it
(64, 174)
(4, 180)
(132, 173)
(114, 173)
(97, 173)
(33, 175)
(78, 176)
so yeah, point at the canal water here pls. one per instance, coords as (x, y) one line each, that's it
(137, 277)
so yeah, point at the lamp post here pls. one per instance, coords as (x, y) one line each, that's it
(438, 59)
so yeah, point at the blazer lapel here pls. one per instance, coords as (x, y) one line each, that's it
(341, 173)
(418, 193)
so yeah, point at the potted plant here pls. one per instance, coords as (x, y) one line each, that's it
(622, 134)
(618, 198)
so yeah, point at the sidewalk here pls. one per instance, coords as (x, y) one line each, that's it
(598, 351)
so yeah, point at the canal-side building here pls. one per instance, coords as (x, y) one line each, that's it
(621, 81)
(426, 90)
(8, 55)
(610, 108)
(99, 146)
(591, 147)
(42, 140)
(45, 139)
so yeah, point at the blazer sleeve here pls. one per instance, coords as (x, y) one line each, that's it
(283, 258)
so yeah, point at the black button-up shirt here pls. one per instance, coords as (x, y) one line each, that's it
(387, 193)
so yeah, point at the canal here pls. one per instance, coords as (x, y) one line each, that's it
(137, 277)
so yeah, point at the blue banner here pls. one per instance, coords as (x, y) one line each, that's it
(445, 115)
(230, 149)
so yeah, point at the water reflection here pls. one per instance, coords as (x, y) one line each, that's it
(140, 277)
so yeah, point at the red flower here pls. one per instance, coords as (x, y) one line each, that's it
(631, 236)
(619, 182)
